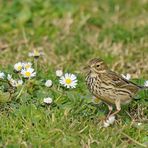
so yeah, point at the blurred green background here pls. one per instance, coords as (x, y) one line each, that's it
(76, 31)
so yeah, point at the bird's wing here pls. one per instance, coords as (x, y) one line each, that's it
(120, 82)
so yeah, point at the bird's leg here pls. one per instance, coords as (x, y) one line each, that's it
(118, 107)
(110, 110)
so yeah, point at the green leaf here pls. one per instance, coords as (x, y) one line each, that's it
(4, 97)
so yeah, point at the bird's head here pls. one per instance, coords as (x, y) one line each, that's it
(96, 65)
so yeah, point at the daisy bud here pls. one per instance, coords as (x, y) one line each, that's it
(111, 119)
(2, 75)
(48, 83)
(47, 100)
(19, 82)
(146, 83)
(9, 77)
(59, 73)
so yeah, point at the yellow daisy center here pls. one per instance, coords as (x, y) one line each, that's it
(27, 66)
(36, 53)
(68, 81)
(19, 67)
(27, 74)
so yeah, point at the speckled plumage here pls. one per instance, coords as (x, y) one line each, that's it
(108, 86)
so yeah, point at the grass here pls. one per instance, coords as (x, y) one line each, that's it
(71, 32)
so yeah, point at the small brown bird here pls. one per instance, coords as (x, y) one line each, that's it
(108, 86)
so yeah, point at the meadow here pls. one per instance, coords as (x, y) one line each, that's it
(70, 33)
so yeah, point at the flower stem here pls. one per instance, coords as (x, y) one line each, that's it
(36, 64)
(20, 93)
(19, 76)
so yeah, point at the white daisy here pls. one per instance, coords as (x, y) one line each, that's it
(27, 65)
(2, 75)
(18, 66)
(139, 124)
(47, 100)
(146, 83)
(48, 83)
(35, 53)
(11, 80)
(28, 73)
(59, 73)
(9, 77)
(13, 83)
(68, 80)
(106, 124)
(19, 83)
(127, 76)
(16, 83)
(110, 121)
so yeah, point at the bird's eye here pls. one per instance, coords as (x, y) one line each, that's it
(97, 65)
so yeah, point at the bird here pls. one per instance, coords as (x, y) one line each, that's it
(109, 86)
